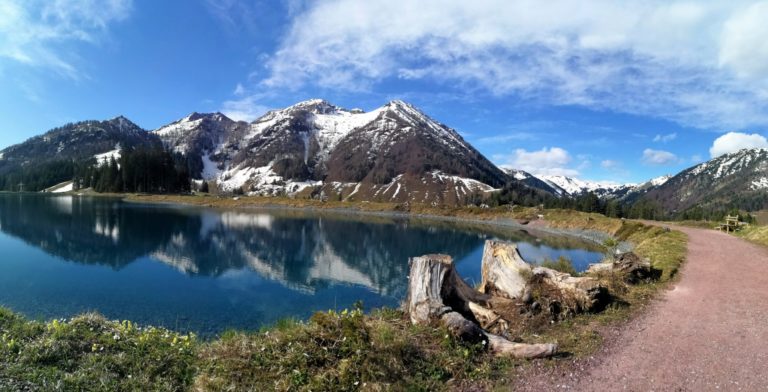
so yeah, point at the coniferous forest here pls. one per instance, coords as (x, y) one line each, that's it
(146, 170)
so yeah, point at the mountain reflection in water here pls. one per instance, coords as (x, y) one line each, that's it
(314, 260)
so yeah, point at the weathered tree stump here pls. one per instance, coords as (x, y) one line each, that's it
(436, 293)
(629, 264)
(506, 274)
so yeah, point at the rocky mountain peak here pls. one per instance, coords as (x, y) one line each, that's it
(195, 116)
(406, 111)
(123, 124)
(316, 106)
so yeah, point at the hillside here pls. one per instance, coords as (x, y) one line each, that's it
(735, 180)
(49, 159)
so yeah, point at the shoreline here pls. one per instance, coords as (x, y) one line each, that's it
(539, 226)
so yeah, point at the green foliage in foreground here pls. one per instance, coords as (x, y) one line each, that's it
(89, 353)
(332, 351)
(343, 352)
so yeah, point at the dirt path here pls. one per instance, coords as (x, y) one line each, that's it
(710, 332)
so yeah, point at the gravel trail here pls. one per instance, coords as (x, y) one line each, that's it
(708, 333)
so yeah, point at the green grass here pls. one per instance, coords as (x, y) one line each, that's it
(665, 248)
(754, 233)
(562, 264)
(345, 351)
(89, 353)
(337, 351)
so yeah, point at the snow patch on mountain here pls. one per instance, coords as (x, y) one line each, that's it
(210, 168)
(105, 158)
(761, 183)
(332, 127)
(66, 188)
(180, 127)
(658, 181)
(262, 181)
(465, 185)
(518, 174)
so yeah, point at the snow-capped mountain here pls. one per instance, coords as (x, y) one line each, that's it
(738, 179)
(393, 153)
(574, 187)
(563, 186)
(536, 182)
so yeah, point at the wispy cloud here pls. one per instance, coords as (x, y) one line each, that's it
(506, 137)
(690, 62)
(239, 90)
(234, 15)
(246, 108)
(665, 138)
(659, 157)
(36, 32)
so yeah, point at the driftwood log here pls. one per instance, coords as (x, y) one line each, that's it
(506, 274)
(436, 293)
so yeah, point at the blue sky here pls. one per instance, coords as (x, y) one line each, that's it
(619, 92)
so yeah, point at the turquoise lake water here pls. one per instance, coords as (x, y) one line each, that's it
(206, 270)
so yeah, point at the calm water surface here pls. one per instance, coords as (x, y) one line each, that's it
(208, 270)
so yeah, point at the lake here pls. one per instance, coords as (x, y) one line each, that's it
(208, 270)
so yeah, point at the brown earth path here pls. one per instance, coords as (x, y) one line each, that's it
(708, 333)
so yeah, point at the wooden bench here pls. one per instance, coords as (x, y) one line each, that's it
(731, 224)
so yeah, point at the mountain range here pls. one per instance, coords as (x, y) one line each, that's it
(395, 153)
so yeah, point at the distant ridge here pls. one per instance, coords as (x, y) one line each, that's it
(394, 153)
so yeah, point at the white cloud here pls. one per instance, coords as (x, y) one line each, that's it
(36, 32)
(689, 62)
(239, 90)
(547, 161)
(610, 164)
(244, 109)
(735, 141)
(507, 137)
(696, 158)
(665, 138)
(659, 157)
(742, 42)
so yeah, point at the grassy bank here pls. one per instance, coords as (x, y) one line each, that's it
(332, 351)
(665, 248)
(754, 233)
(204, 200)
(346, 350)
